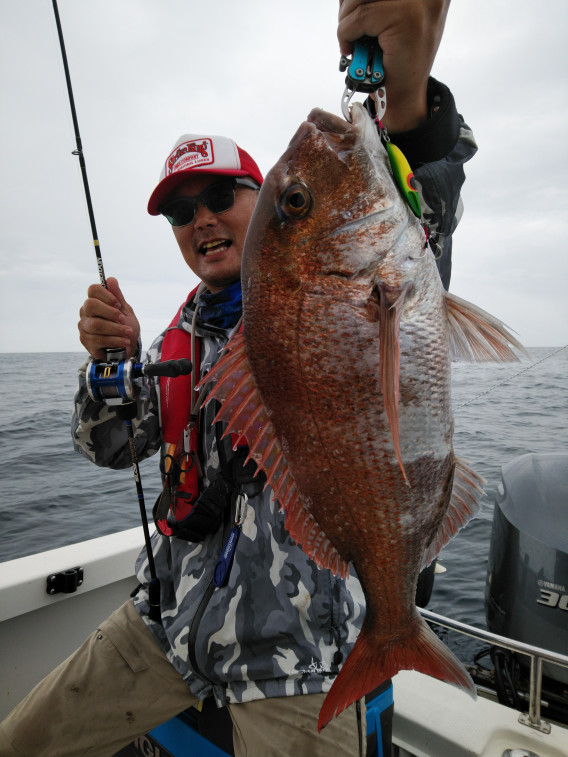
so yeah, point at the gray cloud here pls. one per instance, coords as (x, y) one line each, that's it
(144, 72)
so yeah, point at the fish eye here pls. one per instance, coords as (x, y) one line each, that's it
(296, 202)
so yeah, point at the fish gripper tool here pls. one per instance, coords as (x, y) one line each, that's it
(365, 73)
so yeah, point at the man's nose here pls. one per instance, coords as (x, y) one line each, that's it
(204, 216)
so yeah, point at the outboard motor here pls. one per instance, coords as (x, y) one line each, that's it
(526, 595)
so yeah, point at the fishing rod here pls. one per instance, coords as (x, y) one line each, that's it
(79, 149)
(118, 381)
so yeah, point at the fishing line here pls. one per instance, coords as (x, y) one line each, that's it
(510, 378)
(126, 410)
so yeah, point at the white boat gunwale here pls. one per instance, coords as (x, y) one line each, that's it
(430, 717)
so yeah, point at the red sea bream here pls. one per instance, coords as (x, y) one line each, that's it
(340, 383)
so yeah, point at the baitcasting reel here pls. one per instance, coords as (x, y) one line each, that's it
(117, 380)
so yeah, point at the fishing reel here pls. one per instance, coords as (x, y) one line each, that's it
(117, 380)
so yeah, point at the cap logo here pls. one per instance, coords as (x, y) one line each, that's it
(190, 155)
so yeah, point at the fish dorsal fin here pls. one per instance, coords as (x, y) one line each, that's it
(465, 502)
(477, 336)
(247, 420)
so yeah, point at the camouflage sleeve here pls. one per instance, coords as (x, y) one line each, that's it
(100, 436)
(437, 152)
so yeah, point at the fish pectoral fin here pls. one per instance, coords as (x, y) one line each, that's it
(477, 336)
(465, 503)
(391, 302)
(248, 422)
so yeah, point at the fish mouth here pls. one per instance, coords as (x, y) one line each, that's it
(339, 134)
(329, 123)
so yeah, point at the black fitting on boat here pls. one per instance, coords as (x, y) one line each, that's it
(65, 582)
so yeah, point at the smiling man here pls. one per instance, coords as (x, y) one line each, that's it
(205, 193)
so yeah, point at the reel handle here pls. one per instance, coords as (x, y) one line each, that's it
(169, 368)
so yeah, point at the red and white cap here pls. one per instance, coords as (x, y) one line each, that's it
(197, 153)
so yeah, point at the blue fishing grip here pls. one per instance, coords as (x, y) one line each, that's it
(363, 49)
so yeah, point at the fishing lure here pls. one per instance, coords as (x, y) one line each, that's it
(402, 171)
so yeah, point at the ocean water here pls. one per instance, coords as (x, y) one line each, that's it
(50, 496)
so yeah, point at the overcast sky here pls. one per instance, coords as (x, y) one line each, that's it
(146, 71)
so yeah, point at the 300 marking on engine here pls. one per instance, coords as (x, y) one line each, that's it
(553, 599)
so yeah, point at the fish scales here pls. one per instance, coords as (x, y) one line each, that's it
(348, 338)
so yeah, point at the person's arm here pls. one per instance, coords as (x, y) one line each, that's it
(101, 436)
(437, 151)
(106, 320)
(409, 33)
(421, 115)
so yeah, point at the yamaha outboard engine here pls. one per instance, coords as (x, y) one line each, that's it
(526, 595)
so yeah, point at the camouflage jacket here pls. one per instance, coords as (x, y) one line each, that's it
(279, 626)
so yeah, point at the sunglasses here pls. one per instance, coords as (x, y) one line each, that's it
(217, 198)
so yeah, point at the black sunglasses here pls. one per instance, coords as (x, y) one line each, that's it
(217, 198)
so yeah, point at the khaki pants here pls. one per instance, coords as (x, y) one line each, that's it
(119, 685)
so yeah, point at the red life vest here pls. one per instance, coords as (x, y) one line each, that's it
(175, 409)
(180, 431)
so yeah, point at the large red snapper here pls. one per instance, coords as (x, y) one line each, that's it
(341, 386)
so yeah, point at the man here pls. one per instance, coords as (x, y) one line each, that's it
(270, 638)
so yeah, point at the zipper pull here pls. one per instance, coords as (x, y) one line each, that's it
(223, 566)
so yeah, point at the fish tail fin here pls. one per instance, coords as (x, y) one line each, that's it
(369, 665)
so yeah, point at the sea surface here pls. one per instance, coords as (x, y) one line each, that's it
(50, 496)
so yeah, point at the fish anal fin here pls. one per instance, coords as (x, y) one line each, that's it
(372, 661)
(477, 336)
(465, 503)
(306, 532)
(246, 417)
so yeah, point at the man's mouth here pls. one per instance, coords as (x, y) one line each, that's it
(214, 246)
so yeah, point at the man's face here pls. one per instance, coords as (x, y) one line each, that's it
(212, 245)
